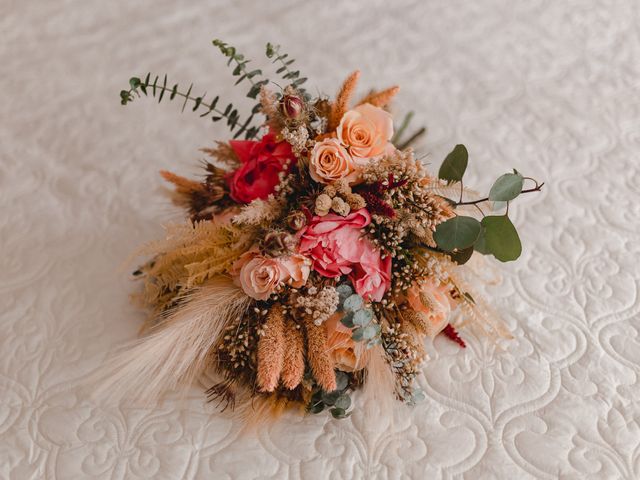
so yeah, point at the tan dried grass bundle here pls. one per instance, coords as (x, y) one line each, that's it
(293, 367)
(271, 350)
(177, 350)
(341, 104)
(319, 358)
(190, 254)
(381, 98)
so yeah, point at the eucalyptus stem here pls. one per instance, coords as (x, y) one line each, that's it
(537, 188)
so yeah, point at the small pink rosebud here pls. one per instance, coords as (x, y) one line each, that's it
(292, 107)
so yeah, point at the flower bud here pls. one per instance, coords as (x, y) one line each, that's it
(292, 107)
(297, 220)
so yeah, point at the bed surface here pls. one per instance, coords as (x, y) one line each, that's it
(550, 88)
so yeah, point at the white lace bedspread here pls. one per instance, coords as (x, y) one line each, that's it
(550, 88)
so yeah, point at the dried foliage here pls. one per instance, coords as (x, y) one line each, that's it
(318, 356)
(271, 349)
(381, 98)
(341, 104)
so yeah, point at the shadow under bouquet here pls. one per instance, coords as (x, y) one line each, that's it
(318, 255)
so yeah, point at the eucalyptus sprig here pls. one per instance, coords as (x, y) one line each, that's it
(273, 52)
(462, 235)
(162, 90)
(240, 70)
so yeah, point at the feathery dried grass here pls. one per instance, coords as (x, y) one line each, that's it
(269, 105)
(224, 154)
(191, 254)
(380, 383)
(341, 104)
(293, 366)
(184, 190)
(322, 366)
(382, 98)
(259, 211)
(178, 349)
(271, 350)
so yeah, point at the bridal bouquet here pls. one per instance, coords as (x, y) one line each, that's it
(318, 254)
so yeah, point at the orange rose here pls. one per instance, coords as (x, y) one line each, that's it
(347, 354)
(434, 301)
(365, 131)
(295, 269)
(330, 161)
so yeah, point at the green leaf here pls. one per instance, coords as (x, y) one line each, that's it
(134, 82)
(343, 402)
(363, 317)
(353, 303)
(501, 238)
(344, 291)
(457, 233)
(347, 320)
(358, 335)
(342, 380)
(481, 245)
(330, 397)
(507, 187)
(462, 256)
(454, 165)
(339, 413)
(316, 407)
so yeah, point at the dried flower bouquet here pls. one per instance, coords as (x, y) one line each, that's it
(318, 255)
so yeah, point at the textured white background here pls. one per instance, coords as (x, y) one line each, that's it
(551, 88)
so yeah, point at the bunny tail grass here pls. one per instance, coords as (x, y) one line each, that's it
(177, 350)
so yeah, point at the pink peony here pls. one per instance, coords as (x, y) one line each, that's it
(337, 247)
(262, 162)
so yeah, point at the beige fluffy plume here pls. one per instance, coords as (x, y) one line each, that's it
(175, 351)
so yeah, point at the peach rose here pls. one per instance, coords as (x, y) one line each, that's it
(365, 131)
(347, 354)
(330, 161)
(295, 269)
(434, 302)
(260, 277)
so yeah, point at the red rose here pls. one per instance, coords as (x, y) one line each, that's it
(262, 161)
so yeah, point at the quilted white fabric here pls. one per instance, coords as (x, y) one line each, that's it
(550, 88)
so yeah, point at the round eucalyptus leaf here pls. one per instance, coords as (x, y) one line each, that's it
(454, 165)
(344, 291)
(353, 303)
(480, 245)
(462, 256)
(418, 396)
(363, 317)
(347, 320)
(506, 187)
(501, 238)
(342, 380)
(343, 402)
(457, 233)
(330, 397)
(369, 332)
(338, 413)
(358, 335)
(316, 407)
